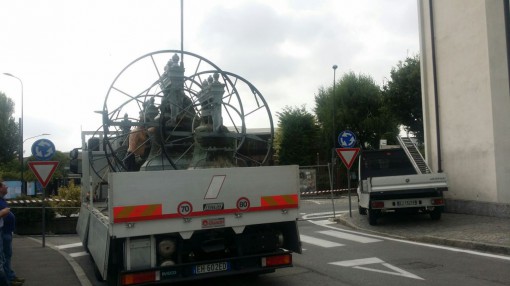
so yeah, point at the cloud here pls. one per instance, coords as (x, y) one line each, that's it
(68, 52)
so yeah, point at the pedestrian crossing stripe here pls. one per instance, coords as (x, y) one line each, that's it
(348, 236)
(319, 242)
(336, 234)
(78, 254)
(71, 245)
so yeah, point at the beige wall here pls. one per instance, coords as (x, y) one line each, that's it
(473, 97)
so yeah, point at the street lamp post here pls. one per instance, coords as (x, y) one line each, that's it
(43, 134)
(334, 129)
(332, 168)
(20, 133)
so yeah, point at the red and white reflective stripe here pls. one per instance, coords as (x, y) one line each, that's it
(280, 200)
(122, 214)
(130, 213)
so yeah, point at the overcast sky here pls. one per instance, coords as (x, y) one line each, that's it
(67, 53)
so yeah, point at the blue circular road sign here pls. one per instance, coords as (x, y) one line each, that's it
(347, 139)
(43, 149)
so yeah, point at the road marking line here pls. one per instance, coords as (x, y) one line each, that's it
(423, 244)
(348, 236)
(78, 254)
(320, 215)
(319, 242)
(356, 263)
(71, 245)
(325, 222)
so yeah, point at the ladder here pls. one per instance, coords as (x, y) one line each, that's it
(414, 155)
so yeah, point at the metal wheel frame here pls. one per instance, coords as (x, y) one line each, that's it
(234, 110)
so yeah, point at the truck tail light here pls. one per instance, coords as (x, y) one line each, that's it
(137, 278)
(377, 204)
(437, 202)
(277, 260)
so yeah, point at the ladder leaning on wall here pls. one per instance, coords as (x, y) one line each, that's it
(414, 155)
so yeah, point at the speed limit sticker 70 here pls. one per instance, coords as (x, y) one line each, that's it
(184, 208)
(243, 204)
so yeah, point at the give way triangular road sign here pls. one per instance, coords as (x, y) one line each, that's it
(43, 170)
(348, 155)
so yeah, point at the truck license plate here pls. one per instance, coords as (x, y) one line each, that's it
(212, 267)
(407, 203)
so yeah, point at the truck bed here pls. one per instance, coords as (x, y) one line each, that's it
(407, 182)
(146, 203)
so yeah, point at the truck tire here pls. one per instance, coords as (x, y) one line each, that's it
(373, 215)
(436, 214)
(112, 279)
(362, 210)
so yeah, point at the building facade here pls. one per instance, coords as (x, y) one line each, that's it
(466, 100)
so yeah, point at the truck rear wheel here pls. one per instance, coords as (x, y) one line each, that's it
(112, 279)
(373, 215)
(362, 210)
(436, 214)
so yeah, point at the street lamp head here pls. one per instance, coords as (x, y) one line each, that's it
(335, 67)
(8, 74)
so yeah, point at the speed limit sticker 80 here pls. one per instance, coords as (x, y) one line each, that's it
(243, 204)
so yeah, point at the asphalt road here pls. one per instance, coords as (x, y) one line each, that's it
(335, 255)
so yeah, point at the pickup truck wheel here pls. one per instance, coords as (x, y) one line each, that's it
(373, 215)
(362, 211)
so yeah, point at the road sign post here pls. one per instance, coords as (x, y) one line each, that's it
(348, 154)
(43, 150)
(43, 170)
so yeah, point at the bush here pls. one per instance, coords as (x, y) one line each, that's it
(67, 202)
(31, 210)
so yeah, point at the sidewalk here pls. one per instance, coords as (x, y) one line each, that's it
(481, 233)
(42, 265)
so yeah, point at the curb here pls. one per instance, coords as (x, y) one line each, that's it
(485, 247)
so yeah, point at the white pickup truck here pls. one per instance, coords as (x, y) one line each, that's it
(389, 183)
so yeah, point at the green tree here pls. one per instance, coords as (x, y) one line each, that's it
(296, 137)
(402, 95)
(67, 202)
(10, 170)
(9, 131)
(356, 105)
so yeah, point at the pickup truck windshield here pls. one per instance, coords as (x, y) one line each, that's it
(389, 162)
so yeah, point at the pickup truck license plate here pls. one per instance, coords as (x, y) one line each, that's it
(212, 267)
(407, 203)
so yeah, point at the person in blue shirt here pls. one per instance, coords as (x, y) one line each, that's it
(9, 222)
